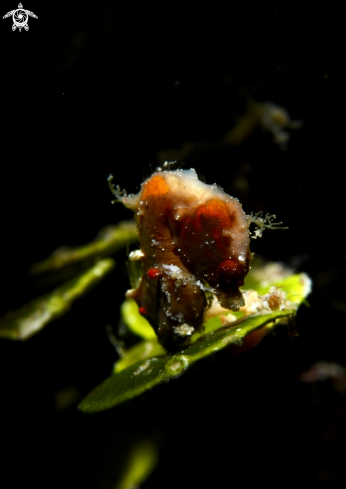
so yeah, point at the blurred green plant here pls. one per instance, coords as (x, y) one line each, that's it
(141, 460)
(272, 295)
(91, 257)
(35, 315)
(107, 242)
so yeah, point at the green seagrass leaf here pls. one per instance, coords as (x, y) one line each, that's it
(35, 315)
(135, 322)
(140, 351)
(295, 288)
(108, 241)
(143, 375)
(124, 385)
(146, 365)
(139, 463)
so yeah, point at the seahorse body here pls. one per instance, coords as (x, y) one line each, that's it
(194, 238)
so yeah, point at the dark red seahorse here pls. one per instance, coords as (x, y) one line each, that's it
(194, 242)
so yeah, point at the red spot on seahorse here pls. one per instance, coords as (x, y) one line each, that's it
(143, 311)
(153, 273)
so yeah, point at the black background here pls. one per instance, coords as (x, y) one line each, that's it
(94, 89)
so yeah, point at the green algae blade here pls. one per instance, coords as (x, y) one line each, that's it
(131, 381)
(134, 321)
(125, 385)
(140, 461)
(34, 316)
(141, 351)
(107, 242)
(146, 365)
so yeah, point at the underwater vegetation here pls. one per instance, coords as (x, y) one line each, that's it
(186, 302)
(194, 291)
(194, 246)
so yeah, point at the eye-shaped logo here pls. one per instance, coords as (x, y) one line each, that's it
(20, 17)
